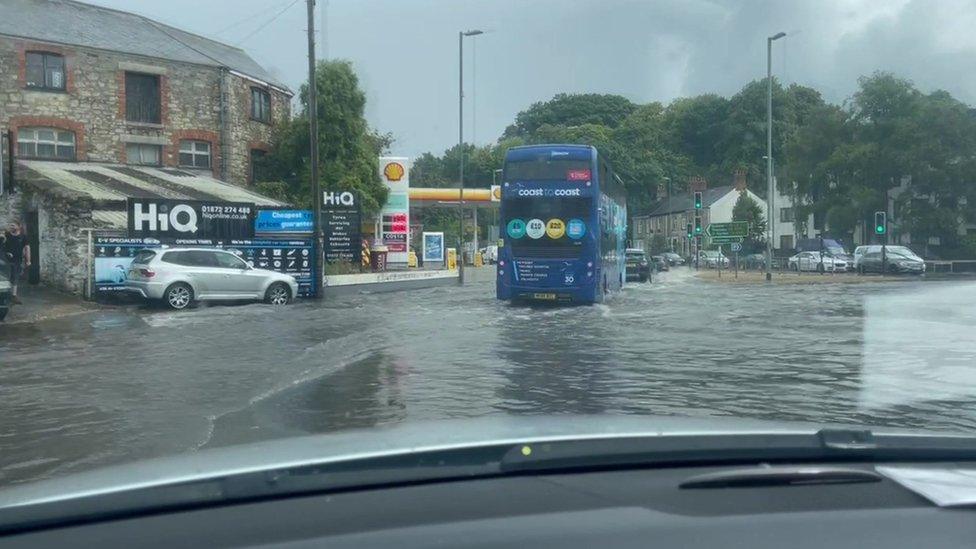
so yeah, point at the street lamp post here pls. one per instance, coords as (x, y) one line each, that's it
(670, 228)
(461, 36)
(769, 152)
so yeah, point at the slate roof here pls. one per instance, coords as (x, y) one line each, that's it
(79, 24)
(686, 201)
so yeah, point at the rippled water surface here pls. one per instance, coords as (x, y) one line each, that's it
(120, 385)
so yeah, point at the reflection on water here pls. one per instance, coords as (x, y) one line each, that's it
(124, 385)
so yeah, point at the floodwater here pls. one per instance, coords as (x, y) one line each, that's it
(124, 384)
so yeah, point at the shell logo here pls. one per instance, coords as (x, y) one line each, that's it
(393, 171)
(496, 193)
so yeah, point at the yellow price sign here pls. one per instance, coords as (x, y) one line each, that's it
(555, 228)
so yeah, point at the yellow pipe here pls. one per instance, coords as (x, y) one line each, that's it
(450, 195)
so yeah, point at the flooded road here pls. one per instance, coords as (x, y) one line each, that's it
(123, 384)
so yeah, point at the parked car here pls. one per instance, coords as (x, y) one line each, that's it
(6, 296)
(712, 259)
(489, 254)
(638, 267)
(180, 276)
(827, 245)
(674, 259)
(896, 261)
(754, 261)
(816, 261)
(660, 263)
(861, 250)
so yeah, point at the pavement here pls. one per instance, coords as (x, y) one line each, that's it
(780, 277)
(42, 303)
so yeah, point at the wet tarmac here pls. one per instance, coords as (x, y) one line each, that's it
(118, 385)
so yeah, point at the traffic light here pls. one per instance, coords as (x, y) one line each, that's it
(698, 200)
(688, 229)
(880, 222)
(698, 227)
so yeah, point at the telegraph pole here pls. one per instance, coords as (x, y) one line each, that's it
(313, 132)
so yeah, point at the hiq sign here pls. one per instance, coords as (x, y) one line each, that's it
(341, 199)
(189, 219)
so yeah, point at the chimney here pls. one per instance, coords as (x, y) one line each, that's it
(740, 180)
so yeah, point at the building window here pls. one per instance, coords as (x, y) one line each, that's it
(786, 241)
(258, 169)
(194, 154)
(45, 143)
(45, 71)
(142, 154)
(260, 105)
(142, 101)
(786, 215)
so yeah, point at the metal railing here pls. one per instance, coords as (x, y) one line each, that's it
(951, 266)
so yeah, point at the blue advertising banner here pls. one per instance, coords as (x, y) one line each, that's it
(433, 251)
(284, 221)
(296, 257)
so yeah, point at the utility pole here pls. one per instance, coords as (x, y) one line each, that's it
(313, 132)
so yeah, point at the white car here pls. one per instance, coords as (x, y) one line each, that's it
(816, 261)
(861, 251)
(712, 259)
(489, 254)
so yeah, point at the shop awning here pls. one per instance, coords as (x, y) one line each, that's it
(106, 184)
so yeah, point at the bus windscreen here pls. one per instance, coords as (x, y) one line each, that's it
(547, 227)
(544, 168)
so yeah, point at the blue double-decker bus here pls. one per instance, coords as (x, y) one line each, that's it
(564, 226)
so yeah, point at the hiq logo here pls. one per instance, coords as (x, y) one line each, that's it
(345, 198)
(549, 192)
(181, 217)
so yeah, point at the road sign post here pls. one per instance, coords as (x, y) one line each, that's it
(736, 248)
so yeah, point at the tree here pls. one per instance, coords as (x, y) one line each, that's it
(659, 244)
(572, 110)
(748, 210)
(348, 148)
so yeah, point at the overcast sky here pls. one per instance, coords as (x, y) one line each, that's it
(405, 51)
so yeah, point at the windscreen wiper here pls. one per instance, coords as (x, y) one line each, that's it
(780, 476)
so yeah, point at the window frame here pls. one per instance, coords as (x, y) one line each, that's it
(57, 143)
(195, 153)
(155, 118)
(787, 215)
(46, 57)
(260, 105)
(252, 155)
(128, 154)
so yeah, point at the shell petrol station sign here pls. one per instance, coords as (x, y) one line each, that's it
(393, 230)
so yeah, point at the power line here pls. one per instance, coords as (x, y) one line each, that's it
(251, 17)
(266, 23)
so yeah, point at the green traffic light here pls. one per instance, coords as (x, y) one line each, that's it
(879, 229)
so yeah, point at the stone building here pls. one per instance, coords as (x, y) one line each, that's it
(91, 88)
(118, 87)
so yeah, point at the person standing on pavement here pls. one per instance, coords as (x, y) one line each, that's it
(17, 253)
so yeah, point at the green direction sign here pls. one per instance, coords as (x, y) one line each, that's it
(736, 228)
(726, 239)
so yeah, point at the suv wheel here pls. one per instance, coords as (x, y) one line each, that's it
(178, 296)
(278, 294)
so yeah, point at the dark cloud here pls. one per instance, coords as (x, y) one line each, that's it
(655, 50)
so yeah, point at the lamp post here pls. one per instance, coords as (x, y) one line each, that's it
(670, 228)
(769, 152)
(461, 36)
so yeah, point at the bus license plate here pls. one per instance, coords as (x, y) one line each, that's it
(550, 297)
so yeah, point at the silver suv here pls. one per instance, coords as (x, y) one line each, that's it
(180, 276)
